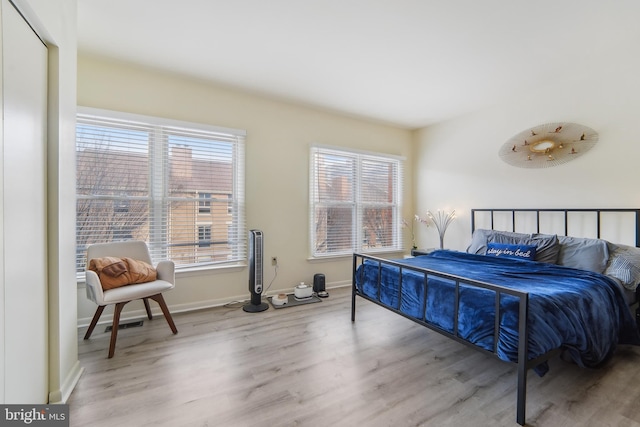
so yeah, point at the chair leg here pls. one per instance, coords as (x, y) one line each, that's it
(146, 307)
(114, 328)
(163, 305)
(94, 321)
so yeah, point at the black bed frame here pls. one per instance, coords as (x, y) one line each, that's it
(523, 364)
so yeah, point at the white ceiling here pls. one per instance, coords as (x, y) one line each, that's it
(406, 62)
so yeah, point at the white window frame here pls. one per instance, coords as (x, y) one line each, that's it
(357, 204)
(158, 196)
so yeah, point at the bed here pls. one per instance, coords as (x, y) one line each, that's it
(552, 292)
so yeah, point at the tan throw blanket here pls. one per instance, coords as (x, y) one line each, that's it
(115, 272)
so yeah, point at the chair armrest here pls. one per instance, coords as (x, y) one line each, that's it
(166, 271)
(94, 287)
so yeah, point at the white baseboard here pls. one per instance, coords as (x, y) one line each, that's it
(62, 395)
(181, 308)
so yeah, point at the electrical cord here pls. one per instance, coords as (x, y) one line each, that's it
(235, 304)
(275, 274)
(239, 304)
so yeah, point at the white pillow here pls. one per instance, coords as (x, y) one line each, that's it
(624, 265)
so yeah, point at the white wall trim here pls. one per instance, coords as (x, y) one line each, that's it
(70, 382)
(107, 319)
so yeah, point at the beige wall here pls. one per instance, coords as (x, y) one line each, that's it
(277, 161)
(457, 163)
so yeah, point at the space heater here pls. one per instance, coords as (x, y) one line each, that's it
(255, 273)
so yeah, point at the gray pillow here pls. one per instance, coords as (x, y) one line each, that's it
(624, 265)
(481, 237)
(583, 253)
(547, 248)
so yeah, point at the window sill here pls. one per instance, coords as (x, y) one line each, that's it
(197, 270)
(330, 258)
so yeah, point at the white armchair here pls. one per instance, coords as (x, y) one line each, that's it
(120, 296)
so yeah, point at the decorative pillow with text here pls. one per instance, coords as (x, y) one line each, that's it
(524, 252)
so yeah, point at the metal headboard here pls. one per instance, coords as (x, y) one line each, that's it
(565, 211)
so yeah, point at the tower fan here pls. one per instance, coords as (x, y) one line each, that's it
(255, 273)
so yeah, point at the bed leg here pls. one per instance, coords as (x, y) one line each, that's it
(522, 394)
(353, 287)
(353, 302)
(523, 352)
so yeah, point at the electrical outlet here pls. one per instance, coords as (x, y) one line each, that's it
(274, 260)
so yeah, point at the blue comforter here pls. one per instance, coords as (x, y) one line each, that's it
(577, 310)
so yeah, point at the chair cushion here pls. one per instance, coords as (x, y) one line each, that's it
(141, 290)
(115, 272)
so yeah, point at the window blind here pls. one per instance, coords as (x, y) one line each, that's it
(178, 186)
(355, 202)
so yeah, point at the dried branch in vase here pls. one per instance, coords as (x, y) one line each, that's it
(442, 219)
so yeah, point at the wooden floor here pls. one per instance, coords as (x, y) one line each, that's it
(311, 366)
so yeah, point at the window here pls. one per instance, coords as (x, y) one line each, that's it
(152, 179)
(204, 236)
(204, 203)
(355, 202)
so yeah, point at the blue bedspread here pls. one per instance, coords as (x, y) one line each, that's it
(577, 310)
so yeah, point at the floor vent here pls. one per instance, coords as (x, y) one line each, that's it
(135, 324)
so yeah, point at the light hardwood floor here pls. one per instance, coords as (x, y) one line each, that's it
(311, 366)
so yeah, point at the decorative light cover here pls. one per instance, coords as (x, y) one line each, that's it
(548, 145)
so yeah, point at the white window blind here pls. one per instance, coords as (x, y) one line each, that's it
(355, 202)
(178, 186)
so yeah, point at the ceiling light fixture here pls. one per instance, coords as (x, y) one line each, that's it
(547, 145)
